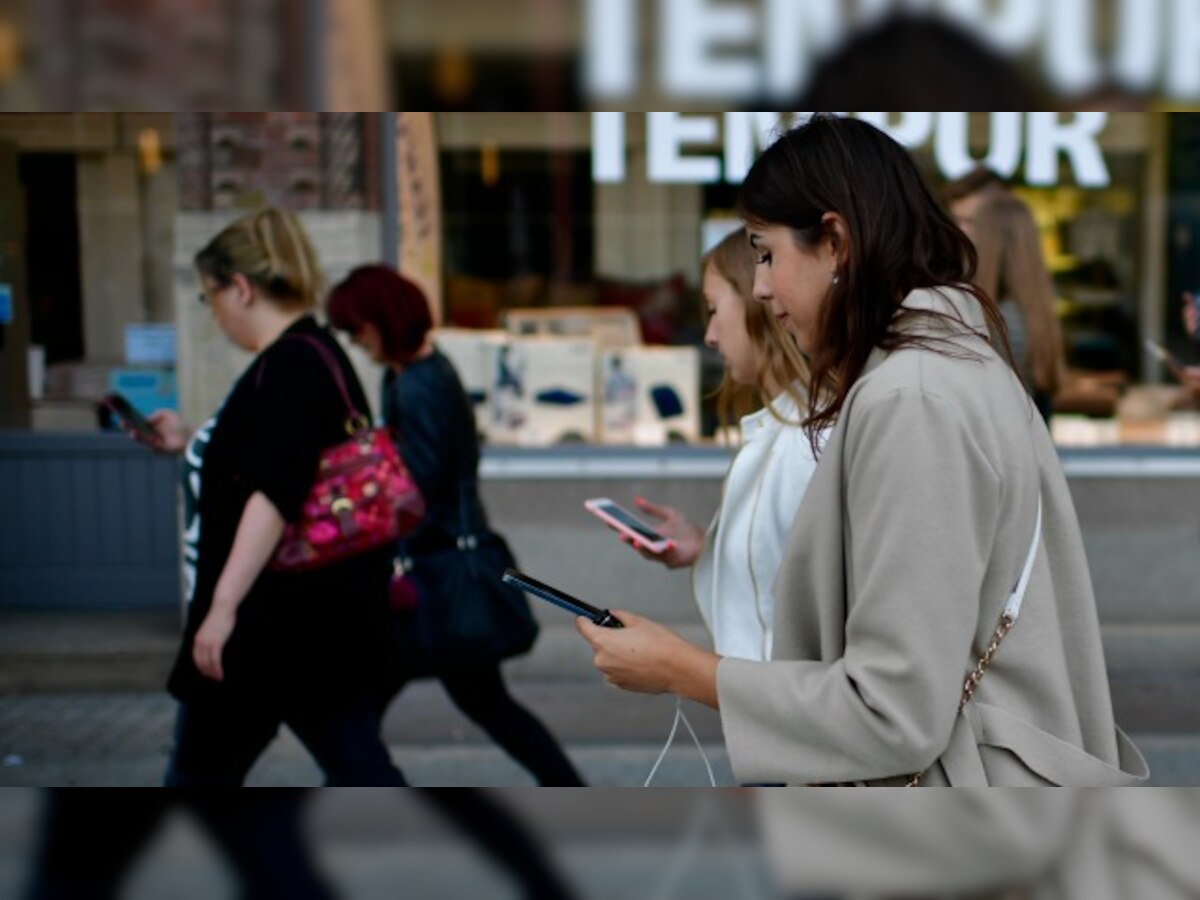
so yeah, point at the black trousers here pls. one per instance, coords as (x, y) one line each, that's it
(481, 694)
(91, 838)
(216, 742)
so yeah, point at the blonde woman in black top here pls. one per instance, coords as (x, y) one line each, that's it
(263, 648)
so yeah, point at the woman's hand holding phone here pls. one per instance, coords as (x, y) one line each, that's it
(687, 539)
(650, 658)
(173, 434)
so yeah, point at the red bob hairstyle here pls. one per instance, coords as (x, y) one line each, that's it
(381, 296)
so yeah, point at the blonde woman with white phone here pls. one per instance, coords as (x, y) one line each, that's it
(734, 561)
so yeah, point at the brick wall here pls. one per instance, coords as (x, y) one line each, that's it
(295, 160)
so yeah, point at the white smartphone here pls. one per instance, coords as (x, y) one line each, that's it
(616, 516)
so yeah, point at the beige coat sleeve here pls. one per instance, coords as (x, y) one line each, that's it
(921, 505)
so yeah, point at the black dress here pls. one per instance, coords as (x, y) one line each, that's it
(315, 637)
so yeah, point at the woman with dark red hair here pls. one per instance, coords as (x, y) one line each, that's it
(465, 622)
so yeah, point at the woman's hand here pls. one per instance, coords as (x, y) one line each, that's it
(1191, 379)
(173, 434)
(687, 539)
(210, 641)
(257, 537)
(651, 659)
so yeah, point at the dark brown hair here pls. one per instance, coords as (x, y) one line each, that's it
(900, 239)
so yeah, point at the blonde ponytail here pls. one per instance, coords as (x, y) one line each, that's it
(274, 254)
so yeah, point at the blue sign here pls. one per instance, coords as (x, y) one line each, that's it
(150, 345)
(6, 304)
(146, 389)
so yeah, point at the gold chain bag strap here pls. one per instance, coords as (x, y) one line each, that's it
(1008, 619)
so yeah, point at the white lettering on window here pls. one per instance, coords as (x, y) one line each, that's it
(952, 151)
(1077, 138)
(608, 147)
(745, 134)
(666, 133)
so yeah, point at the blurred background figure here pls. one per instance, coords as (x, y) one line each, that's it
(1013, 272)
(966, 195)
(89, 842)
(1191, 324)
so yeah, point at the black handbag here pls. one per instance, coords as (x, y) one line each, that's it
(464, 613)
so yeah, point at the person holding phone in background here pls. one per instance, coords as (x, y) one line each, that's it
(937, 491)
(735, 562)
(427, 407)
(1012, 270)
(263, 648)
(1191, 322)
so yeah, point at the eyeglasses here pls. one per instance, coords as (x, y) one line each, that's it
(206, 296)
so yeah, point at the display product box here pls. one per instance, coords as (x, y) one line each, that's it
(542, 391)
(472, 353)
(649, 395)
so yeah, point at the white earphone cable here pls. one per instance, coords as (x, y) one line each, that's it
(680, 716)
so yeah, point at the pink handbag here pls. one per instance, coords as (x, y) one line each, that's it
(363, 497)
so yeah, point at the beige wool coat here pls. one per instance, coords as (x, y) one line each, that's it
(912, 535)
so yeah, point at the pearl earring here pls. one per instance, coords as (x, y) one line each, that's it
(836, 278)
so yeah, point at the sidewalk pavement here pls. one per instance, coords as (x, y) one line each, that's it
(81, 703)
(123, 739)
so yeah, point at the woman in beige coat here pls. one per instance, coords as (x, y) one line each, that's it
(938, 489)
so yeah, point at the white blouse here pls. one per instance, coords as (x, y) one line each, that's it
(734, 578)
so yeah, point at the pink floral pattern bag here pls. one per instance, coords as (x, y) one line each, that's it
(363, 497)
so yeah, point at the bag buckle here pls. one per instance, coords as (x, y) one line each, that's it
(343, 508)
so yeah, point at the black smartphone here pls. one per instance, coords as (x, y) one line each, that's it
(601, 617)
(130, 418)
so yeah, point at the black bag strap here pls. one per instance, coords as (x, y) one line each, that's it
(467, 539)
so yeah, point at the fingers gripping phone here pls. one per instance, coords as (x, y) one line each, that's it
(628, 524)
(130, 418)
(601, 617)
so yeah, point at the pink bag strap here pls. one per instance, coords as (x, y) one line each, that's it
(353, 416)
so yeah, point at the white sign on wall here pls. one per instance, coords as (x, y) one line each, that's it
(683, 147)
